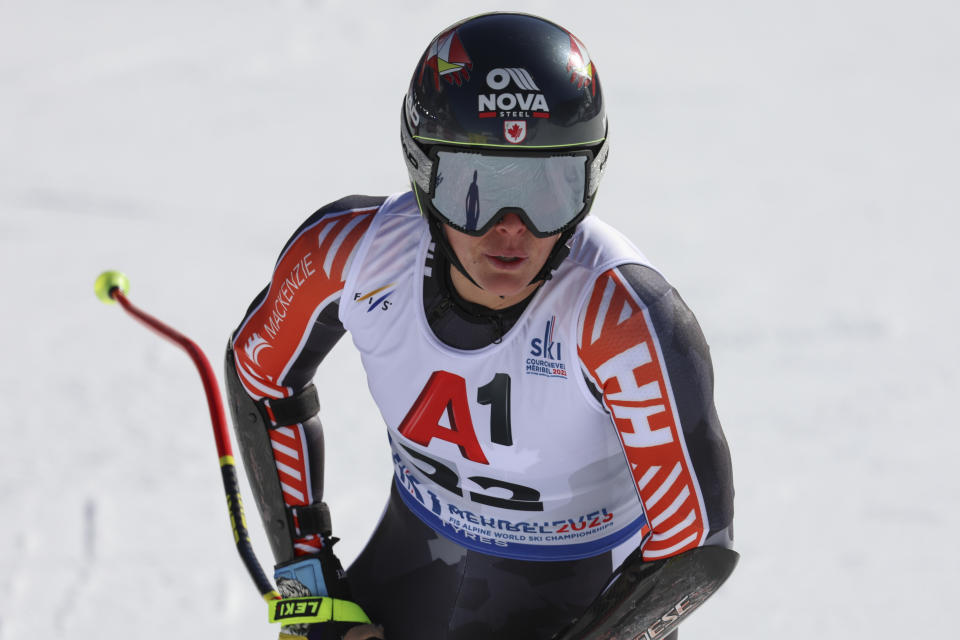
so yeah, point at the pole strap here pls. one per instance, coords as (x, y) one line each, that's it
(315, 610)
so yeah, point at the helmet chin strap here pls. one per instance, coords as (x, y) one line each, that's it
(443, 245)
(557, 255)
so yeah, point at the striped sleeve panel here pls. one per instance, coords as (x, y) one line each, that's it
(292, 458)
(619, 349)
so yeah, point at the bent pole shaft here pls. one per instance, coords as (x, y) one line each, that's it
(221, 435)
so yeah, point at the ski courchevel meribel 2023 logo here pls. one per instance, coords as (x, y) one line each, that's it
(546, 356)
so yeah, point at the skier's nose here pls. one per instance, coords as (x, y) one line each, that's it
(510, 224)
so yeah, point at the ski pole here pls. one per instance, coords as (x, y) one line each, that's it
(112, 287)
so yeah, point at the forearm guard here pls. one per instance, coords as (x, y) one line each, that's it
(252, 421)
(648, 600)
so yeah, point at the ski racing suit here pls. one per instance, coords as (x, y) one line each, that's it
(534, 447)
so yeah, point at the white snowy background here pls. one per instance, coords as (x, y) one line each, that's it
(790, 165)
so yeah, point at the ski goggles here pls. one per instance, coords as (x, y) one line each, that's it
(471, 189)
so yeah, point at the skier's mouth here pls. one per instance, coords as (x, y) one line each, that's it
(506, 262)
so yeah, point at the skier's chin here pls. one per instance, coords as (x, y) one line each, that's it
(496, 290)
(507, 285)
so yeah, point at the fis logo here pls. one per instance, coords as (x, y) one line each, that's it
(254, 347)
(374, 299)
(546, 354)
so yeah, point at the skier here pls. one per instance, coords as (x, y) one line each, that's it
(547, 394)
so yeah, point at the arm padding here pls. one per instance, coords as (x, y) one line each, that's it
(650, 599)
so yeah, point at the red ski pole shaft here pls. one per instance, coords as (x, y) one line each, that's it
(221, 435)
(217, 415)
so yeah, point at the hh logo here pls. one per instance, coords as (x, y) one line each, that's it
(374, 299)
(547, 354)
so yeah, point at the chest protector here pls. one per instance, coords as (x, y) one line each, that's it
(502, 449)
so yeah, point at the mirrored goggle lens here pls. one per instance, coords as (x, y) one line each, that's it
(472, 189)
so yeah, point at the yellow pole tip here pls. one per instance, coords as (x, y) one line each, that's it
(107, 282)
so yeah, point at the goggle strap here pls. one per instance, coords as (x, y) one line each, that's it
(597, 167)
(419, 163)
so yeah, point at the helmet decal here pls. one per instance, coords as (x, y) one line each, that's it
(579, 65)
(488, 69)
(448, 60)
(411, 109)
(499, 78)
(512, 93)
(515, 131)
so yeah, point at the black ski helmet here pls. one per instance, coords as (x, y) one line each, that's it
(503, 83)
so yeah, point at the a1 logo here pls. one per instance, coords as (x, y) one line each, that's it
(446, 392)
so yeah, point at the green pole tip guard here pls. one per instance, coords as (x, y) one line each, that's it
(107, 282)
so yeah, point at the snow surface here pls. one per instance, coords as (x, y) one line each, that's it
(791, 166)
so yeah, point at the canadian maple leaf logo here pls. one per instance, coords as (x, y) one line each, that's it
(515, 131)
